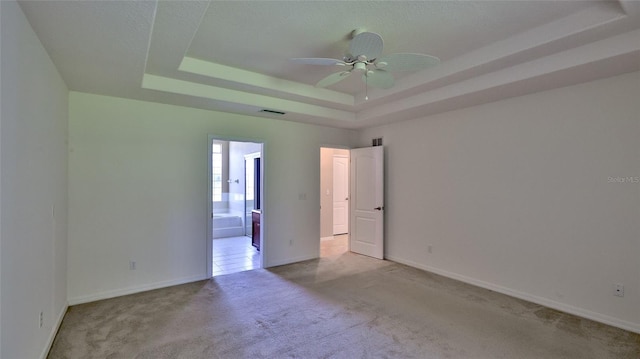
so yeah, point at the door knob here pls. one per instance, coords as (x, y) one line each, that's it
(379, 208)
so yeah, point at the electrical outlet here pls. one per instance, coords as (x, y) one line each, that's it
(618, 290)
(132, 265)
(41, 319)
(291, 242)
(429, 249)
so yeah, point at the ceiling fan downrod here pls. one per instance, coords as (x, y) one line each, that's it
(366, 86)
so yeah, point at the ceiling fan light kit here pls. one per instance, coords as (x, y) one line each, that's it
(363, 57)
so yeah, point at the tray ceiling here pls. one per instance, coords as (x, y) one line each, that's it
(234, 55)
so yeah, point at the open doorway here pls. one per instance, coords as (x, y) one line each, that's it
(334, 201)
(235, 186)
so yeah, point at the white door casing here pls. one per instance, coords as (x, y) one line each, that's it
(340, 195)
(367, 201)
(249, 195)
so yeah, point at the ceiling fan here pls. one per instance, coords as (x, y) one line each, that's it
(364, 58)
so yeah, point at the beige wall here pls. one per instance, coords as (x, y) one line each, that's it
(138, 191)
(326, 192)
(517, 196)
(33, 189)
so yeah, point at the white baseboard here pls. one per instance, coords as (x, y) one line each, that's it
(281, 262)
(602, 318)
(54, 331)
(131, 290)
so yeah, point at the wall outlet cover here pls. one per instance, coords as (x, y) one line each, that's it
(618, 290)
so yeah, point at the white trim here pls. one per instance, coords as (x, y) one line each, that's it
(584, 313)
(245, 100)
(284, 261)
(263, 207)
(209, 234)
(253, 155)
(255, 79)
(54, 332)
(132, 290)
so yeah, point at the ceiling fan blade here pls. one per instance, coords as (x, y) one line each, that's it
(379, 78)
(333, 78)
(368, 44)
(318, 61)
(406, 62)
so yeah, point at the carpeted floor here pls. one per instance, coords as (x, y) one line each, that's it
(344, 306)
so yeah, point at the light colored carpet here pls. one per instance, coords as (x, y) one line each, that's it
(345, 306)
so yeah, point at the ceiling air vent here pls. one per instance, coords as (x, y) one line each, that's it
(272, 112)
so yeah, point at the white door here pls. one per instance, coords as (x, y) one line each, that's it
(367, 206)
(340, 195)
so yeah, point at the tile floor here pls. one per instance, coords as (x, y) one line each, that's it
(234, 254)
(335, 246)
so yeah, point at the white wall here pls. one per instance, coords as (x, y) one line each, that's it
(515, 195)
(326, 192)
(33, 165)
(138, 191)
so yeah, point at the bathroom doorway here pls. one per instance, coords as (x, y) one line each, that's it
(235, 187)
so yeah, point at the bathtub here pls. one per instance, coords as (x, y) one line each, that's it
(227, 225)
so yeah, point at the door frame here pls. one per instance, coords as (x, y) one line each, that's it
(249, 156)
(209, 214)
(334, 147)
(346, 184)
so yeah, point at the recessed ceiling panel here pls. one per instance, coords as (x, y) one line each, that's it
(235, 55)
(262, 36)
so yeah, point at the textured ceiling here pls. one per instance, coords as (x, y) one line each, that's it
(234, 55)
(255, 38)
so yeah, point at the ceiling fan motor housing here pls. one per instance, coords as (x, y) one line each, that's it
(360, 67)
